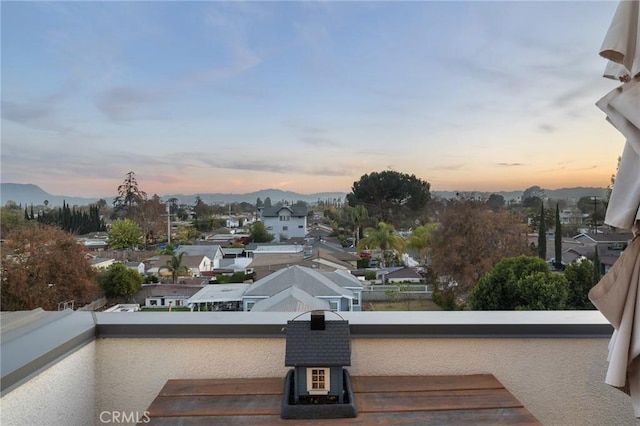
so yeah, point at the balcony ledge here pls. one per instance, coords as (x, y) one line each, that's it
(468, 324)
(30, 347)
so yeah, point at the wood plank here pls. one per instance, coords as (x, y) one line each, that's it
(424, 383)
(225, 405)
(195, 387)
(502, 416)
(381, 400)
(435, 400)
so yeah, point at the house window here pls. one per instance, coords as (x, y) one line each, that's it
(318, 381)
(250, 305)
(285, 228)
(356, 299)
(300, 226)
(284, 218)
(333, 305)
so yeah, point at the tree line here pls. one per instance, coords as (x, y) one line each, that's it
(70, 219)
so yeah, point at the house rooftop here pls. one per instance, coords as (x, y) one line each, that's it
(219, 293)
(307, 279)
(291, 299)
(295, 210)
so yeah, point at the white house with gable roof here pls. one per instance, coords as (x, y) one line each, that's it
(285, 222)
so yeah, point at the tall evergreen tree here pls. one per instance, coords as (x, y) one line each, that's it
(542, 235)
(130, 197)
(597, 271)
(558, 240)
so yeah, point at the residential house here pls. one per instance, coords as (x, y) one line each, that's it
(328, 259)
(291, 299)
(267, 265)
(609, 245)
(285, 222)
(235, 258)
(317, 284)
(101, 262)
(218, 297)
(573, 217)
(159, 295)
(611, 239)
(270, 258)
(347, 280)
(229, 239)
(136, 266)
(211, 251)
(94, 241)
(232, 252)
(195, 266)
(165, 301)
(400, 274)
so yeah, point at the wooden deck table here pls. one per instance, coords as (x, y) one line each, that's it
(381, 400)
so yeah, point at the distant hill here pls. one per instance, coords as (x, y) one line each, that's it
(26, 194)
(274, 194)
(570, 194)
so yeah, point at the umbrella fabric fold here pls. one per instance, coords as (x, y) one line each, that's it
(617, 296)
(621, 46)
(622, 106)
(622, 42)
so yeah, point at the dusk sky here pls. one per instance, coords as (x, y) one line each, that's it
(233, 97)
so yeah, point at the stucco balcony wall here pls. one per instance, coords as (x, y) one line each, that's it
(554, 363)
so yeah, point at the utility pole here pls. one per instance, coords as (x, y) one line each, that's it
(595, 219)
(168, 223)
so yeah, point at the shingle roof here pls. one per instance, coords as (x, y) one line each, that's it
(295, 211)
(209, 250)
(329, 347)
(219, 293)
(343, 278)
(291, 299)
(404, 273)
(307, 279)
(187, 260)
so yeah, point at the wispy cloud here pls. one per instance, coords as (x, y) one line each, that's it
(312, 135)
(510, 164)
(449, 167)
(41, 113)
(546, 128)
(229, 24)
(125, 102)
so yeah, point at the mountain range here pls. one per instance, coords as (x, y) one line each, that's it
(27, 194)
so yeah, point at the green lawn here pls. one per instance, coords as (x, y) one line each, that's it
(413, 305)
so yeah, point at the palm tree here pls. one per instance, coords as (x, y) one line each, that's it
(421, 240)
(385, 238)
(358, 215)
(174, 265)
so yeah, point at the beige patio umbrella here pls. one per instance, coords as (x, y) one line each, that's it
(617, 295)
